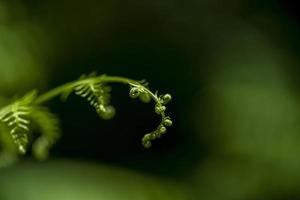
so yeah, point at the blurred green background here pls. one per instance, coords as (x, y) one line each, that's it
(231, 66)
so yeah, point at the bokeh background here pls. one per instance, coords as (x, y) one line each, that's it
(232, 67)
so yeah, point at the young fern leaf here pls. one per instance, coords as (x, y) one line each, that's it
(16, 117)
(48, 125)
(97, 94)
(26, 113)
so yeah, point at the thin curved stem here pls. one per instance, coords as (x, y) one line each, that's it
(69, 86)
(54, 93)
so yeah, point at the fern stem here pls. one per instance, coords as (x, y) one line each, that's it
(127, 81)
(54, 93)
(105, 79)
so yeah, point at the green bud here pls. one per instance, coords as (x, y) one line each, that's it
(159, 108)
(166, 98)
(162, 130)
(107, 113)
(167, 122)
(134, 92)
(158, 134)
(145, 97)
(147, 144)
(148, 137)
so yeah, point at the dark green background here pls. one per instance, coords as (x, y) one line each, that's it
(231, 67)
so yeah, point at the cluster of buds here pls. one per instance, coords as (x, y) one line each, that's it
(160, 108)
(139, 92)
(161, 130)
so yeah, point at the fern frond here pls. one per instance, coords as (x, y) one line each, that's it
(94, 93)
(16, 117)
(48, 125)
(21, 116)
(97, 94)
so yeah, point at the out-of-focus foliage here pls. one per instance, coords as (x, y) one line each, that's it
(253, 115)
(76, 181)
(21, 50)
(232, 66)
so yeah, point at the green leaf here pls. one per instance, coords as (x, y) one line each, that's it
(97, 94)
(15, 116)
(49, 127)
(80, 181)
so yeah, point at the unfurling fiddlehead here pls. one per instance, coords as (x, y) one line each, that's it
(98, 94)
(141, 90)
(26, 115)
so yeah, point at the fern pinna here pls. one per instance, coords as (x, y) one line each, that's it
(22, 118)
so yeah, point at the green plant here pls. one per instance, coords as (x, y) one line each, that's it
(25, 116)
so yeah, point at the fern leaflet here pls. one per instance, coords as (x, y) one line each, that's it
(97, 94)
(47, 124)
(16, 117)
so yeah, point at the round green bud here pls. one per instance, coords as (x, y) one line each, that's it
(167, 122)
(134, 92)
(107, 113)
(148, 137)
(162, 130)
(147, 144)
(145, 97)
(159, 108)
(158, 134)
(166, 98)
